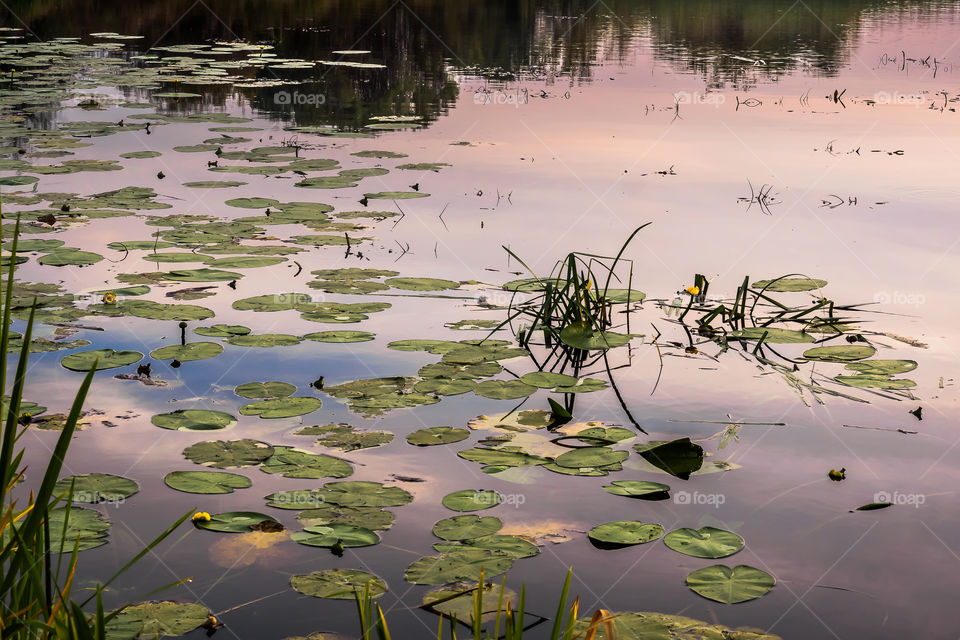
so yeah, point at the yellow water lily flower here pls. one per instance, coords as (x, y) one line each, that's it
(200, 516)
(109, 297)
(693, 290)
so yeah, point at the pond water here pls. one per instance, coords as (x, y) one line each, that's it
(758, 139)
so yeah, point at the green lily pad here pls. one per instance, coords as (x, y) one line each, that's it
(547, 380)
(457, 601)
(473, 325)
(338, 584)
(85, 528)
(281, 407)
(471, 500)
(583, 385)
(187, 352)
(214, 184)
(705, 542)
(421, 284)
(360, 493)
(233, 521)
(373, 518)
(206, 482)
(437, 435)
(156, 620)
(463, 564)
(264, 390)
(772, 335)
(228, 454)
(610, 434)
(222, 330)
(445, 386)
(867, 381)
(34, 244)
(264, 340)
(347, 535)
(642, 489)
(345, 437)
(721, 583)
(296, 463)
(349, 287)
(94, 488)
(171, 256)
(466, 527)
(882, 367)
(423, 166)
(678, 457)
(252, 203)
(202, 275)
(790, 284)
(373, 153)
(395, 195)
(504, 456)
(840, 353)
(620, 296)
(194, 420)
(590, 457)
(624, 533)
(630, 625)
(504, 389)
(65, 256)
(513, 546)
(582, 336)
(139, 155)
(340, 336)
(245, 262)
(104, 359)
(17, 181)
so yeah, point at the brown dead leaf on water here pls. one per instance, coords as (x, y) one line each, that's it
(542, 531)
(246, 549)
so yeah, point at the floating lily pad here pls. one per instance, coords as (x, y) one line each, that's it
(139, 155)
(730, 585)
(840, 353)
(345, 437)
(245, 262)
(360, 493)
(264, 340)
(772, 335)
(421, 284)
(194, 420)
(678, 457)
(373, 518)
(547, 380)
(104, 359)
(462, 564)
(187, 352)
(437, 435)
(85, 528)
(228, 454)
(34, 244)
(423, 166)
(642, 489)
(373, 153)
(94, 488)
(156, 311)
(281, 407)
(445, 386)
(156, 620)
(867, 381)
(340, 336)
(234, 521)
(506, 457)
(504, 389)
(222, 330)
(582, 336)
(347, 535)
(630, 625)
(583, 385)
(458, 600)
(338, 584)
(264, 390)
(296, 463)
(882, 367)
(466, 527)
(206, 482)
(65, 256)
(624, 533)
(395, 195)
(214, 184)
(705, 542)
(471, 500)
(201, 275)
(591, 457)
(790, 284)
(513, 546)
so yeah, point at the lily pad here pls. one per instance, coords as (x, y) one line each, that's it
(514, 546)
(281, 407)
(347, 535)
(462, 564)
(504, 456)
(296, 463)
(194, 420)
(705, 542)
(222, 330)
(233, 521)
(85, 528)
(156, 620)
(471, 500)
(373, 518)
(772, 335)
(228, 454)
(395, 195)
(504, 389)
(882, 367)
(624, 533)
(642, 489)
(721, 583)
(421, 284)
(345, 437)
(264, 340)
(582, 336)
(187, 352)
(591, 457)
(65, 256)
(840, 353)
(338, 584)
(867, 381)
(548, 380)
(437, 435)
(94, 488)
(104, 359)
(630, 625)
(340, 336)
(790, 284)
(206, 482)
(139, 155)
(466, 527)
(202, 275)
(445, 386)
(678, 457)
(264, 390)
(361, 493)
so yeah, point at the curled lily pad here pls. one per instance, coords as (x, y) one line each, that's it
(94, 488)
(104, 359)
(206, 482)
(296, 463)
(678, 457)
(340, 336)
(264, 390)
(229, 454)
(194, 420)
(437, 435)
(624, 533)
(721, 583)
(187, 352)
(234, 521)
(281, 407)
(330, 535)
(156, 619)
(840, 353)
(471, 500)
(338, 584)
(705, 542)
(642, 489)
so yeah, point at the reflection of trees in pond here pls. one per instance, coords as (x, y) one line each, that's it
(421, 40)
